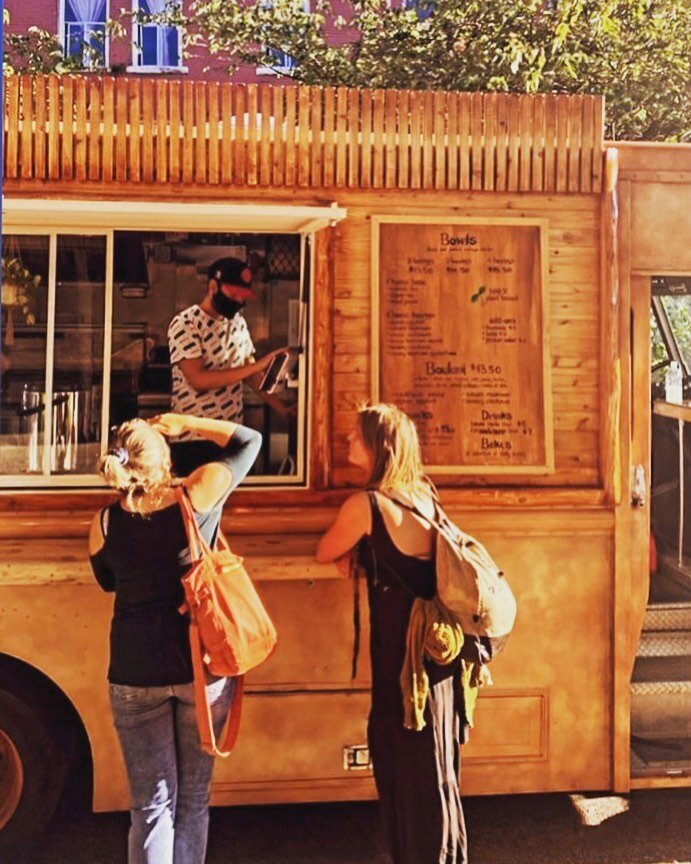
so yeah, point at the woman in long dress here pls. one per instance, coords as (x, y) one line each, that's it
(416, 772)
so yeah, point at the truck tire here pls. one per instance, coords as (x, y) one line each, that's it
(32, 773)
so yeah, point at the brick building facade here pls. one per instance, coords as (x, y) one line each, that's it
(144, 50)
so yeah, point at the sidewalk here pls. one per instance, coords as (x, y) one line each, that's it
(643, 828)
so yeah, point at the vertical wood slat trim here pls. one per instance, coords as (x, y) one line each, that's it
(291, 119)
(26, 148)
(322, 368)
(415, 139)
(279, 150)
(329, 143)
(188, 131)
(265, 141)
(353, 138)
(107, 134)
(377, 139)
(227, 142)
(587, 148)
(304, 137)
(550, 177)
(476, 111)
(490, 143)
(526, 155)
(599, 137)
(250, 128)
(403, 111)
(428, 140)
(11, 85)
(174, 126)
(538, 167)
(341, 132)
(452, 141)
(148, 130)
(40, 117)
(71, 129)
(464, 147)
(366, 139)
(67, 127)
(575, 142)
(135, 142)
(440, 144)
(200, 132)
(502, 147)
(81, 134)
(95, 130)
(162, 92)
(562, 155)
(390, 140)
(121, 130)
(317, 154)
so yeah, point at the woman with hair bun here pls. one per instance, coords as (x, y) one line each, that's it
(138, 549)
(414, 743)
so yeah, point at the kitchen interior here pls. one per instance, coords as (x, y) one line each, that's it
(155, 275)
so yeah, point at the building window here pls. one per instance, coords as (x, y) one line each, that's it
(156, 46)
(281, 62)
(423, 8)
(85, 343)
(84, 34)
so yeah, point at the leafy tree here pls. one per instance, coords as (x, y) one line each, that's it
(633, 51)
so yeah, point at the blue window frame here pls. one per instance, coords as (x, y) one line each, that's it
(156, 45)
(423, 8)
(84, 34)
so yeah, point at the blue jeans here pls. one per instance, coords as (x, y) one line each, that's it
(169, 773)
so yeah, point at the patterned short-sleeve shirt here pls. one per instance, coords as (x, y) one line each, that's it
(222, 343)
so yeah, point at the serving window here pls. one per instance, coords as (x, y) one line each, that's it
(85, 317)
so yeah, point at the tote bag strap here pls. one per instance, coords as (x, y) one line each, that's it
(203, 709)
(199, 548)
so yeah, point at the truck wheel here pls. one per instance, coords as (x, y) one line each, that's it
(31, 773)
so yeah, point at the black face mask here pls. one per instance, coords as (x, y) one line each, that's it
(225, 305)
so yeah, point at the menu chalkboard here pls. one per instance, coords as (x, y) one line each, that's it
(461, 339)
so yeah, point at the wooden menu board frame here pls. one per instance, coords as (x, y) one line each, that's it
(539, 305)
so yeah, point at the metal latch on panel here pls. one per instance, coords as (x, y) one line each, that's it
(356, 758)
(639, 487)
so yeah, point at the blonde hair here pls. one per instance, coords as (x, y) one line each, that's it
(137, 465)
(391, 438)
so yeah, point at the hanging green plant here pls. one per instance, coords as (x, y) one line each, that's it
(19, 287)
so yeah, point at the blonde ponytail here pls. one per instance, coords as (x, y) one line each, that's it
(137, 465)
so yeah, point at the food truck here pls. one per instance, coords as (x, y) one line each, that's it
(486, 261)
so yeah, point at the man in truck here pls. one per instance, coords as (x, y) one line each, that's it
(212, 354)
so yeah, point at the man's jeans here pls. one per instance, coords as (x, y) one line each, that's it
(169, 773)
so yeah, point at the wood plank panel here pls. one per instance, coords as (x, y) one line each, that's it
(366, 139)
(415, 139)
(341, 136)
(304, 136)
(526, 156)
(550, 177)
(353, 138)
(227, 132)
(81, 131)
(148, 151)
(265, 139)
(391, 136)
(135, 141)
(175, 129)
(162, 150)
(317, 144)
(250, 128)
(512, 183)
(440, 146)
(121, 106)
(26, 146)
(107, 144)
(200, 119)
(41, 118)
(291, 122)
(490, 142)
(464, 146)
(378, 139)
(452, 142)
(11, 123)
(575, 145)
(67, 142)
(562, 133)
(329, 123)
(427, 140)
(538, 144)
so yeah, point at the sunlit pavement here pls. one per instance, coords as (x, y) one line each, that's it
(643, 828)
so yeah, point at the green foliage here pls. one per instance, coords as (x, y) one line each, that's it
(633, 51)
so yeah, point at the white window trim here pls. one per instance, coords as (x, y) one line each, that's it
(50, 217)
(139, 68)
(61, 33)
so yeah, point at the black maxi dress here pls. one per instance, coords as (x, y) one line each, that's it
(416, 773)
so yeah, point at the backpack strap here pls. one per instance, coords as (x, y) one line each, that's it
(207, 737)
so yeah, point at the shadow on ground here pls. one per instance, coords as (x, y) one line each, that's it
(643, 828)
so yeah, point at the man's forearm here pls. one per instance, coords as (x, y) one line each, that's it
(210, 379)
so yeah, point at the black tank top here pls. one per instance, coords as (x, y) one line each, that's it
(394, 580)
